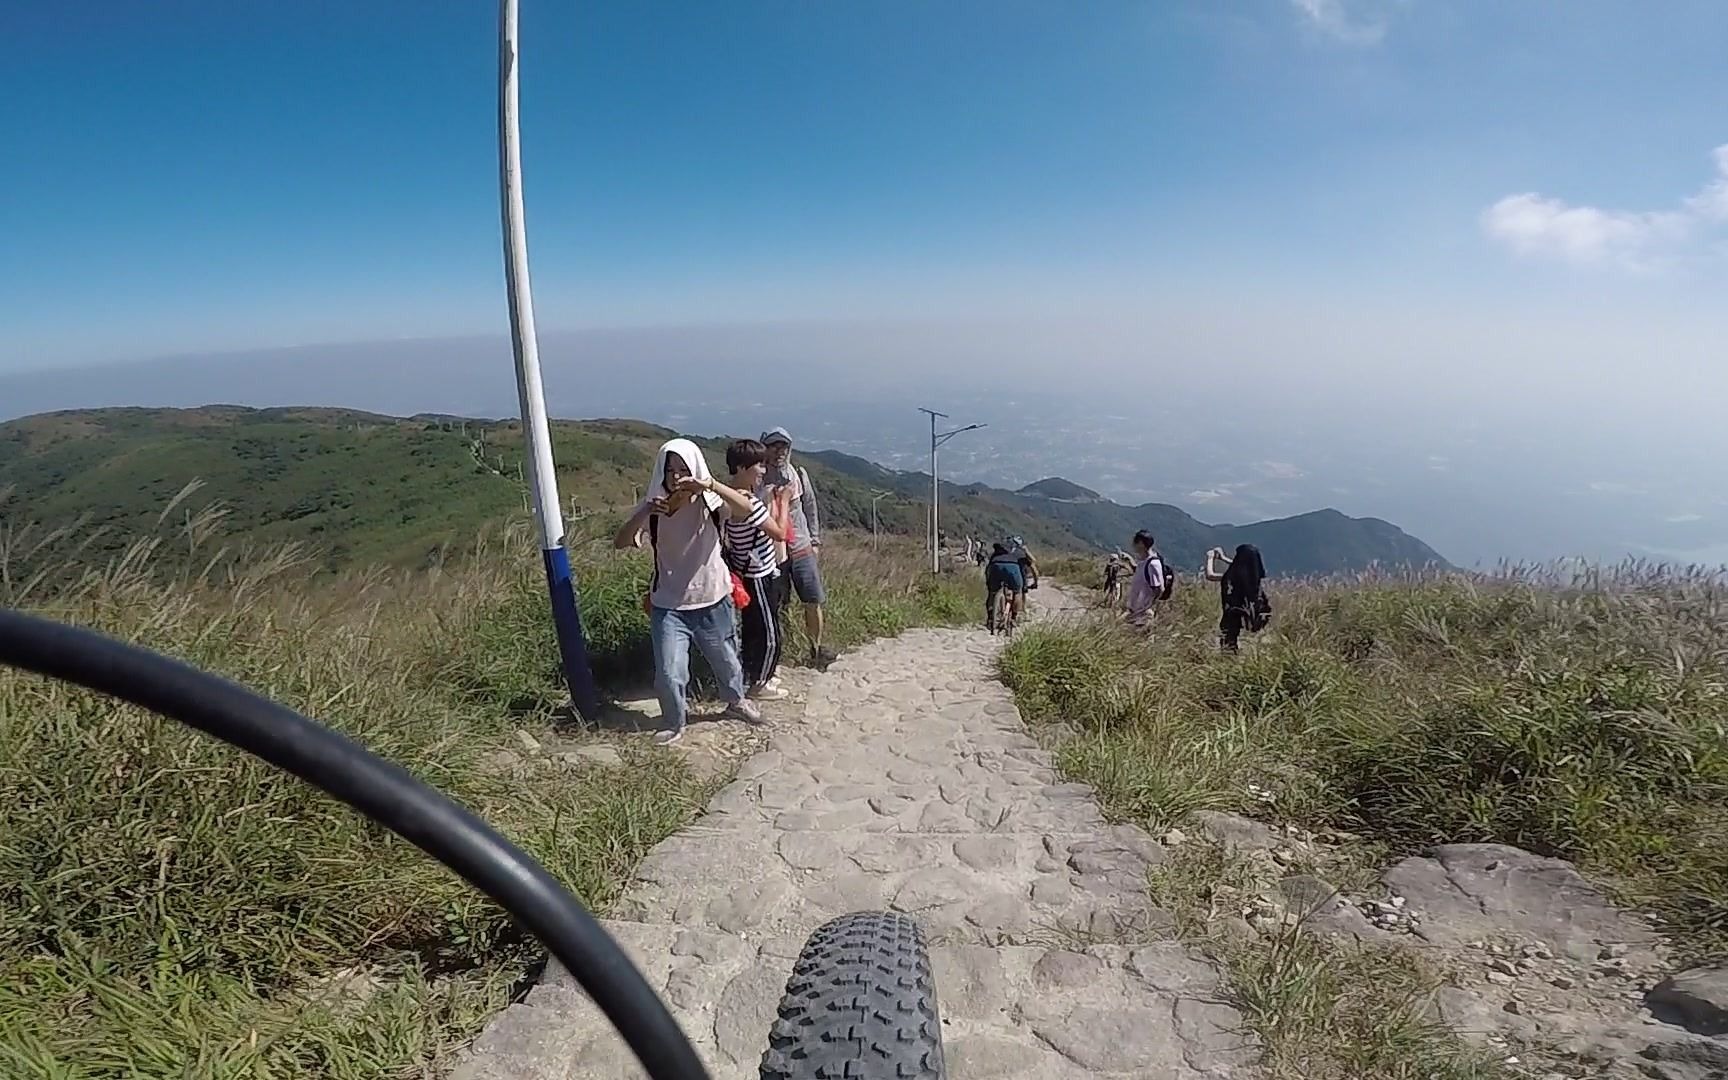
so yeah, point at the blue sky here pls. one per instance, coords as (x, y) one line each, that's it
(188, 176)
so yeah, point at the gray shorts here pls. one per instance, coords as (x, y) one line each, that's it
(806, 578)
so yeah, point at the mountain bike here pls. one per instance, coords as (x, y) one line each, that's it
(1003, 612)
(861, 1000)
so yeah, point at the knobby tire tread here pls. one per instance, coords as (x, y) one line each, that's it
(860, 1005)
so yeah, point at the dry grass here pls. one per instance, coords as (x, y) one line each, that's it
(1323, 1011)
(170, 907)
(1581, 713)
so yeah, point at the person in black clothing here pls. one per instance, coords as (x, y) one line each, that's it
(1241, 589)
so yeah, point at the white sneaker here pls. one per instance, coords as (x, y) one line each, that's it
(669, 736)
(769, 692)
(745, 710)
(773, 683)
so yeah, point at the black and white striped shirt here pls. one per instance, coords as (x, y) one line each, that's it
(749, 549)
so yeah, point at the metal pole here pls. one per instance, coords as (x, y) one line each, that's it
(541, 478)
(935, 526)
(935, 515)
(875, 522)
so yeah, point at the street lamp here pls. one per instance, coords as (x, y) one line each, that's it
(542, 481)
(875, 525)
(936, 440)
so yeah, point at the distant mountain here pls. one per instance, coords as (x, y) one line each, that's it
(360, 487)
(1054, 487)
(1055, 512)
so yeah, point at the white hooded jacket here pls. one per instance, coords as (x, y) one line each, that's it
(689, 570)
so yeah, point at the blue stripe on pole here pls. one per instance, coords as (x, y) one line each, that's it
(572, 644)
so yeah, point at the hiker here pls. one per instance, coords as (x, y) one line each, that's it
(1147, 588)
(1113, 579)
(1003, 571)
(799, 571)
(1028, 567)
(690, 598)
(1242, 591)
(750, 551)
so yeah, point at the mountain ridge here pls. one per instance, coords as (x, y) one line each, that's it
(1319, 541)
(361, 486)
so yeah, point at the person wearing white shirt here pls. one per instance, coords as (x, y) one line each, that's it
(1148, 584)
(690, 601)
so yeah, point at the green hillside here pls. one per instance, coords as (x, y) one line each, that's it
(357, 487)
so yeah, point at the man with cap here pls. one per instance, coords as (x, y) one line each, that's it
(800, 572)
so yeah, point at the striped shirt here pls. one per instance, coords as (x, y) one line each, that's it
(749, 549)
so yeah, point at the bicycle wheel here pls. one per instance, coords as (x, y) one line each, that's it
(861, 1002)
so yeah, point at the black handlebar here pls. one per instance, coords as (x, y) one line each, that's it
(383, 792)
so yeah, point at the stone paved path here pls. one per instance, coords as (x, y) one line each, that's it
(911, 785)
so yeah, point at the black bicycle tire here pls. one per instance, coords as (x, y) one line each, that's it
(860, 1004)
(381, 791)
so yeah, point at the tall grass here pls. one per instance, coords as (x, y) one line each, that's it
(1579, 714)
(1582, 714)
(170, 907)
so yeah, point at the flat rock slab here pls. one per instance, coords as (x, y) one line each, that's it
(1696, 999)
(909, 785)
(1472, 891)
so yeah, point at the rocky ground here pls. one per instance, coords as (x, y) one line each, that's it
(902, 779)
(905, 783)
(1537, 964)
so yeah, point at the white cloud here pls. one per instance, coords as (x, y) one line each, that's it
(1711, 204)
(1207, 494)
(1683, 519)
(1615, 487)
(1337, 19)
(1541, 226)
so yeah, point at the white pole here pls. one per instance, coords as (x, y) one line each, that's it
(541, 475)
(523, 339)
(935, 515)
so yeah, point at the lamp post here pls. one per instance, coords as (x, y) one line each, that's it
(541, 479)
(875, 524)
(936, 440)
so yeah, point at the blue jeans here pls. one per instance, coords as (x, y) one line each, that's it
(714, 630)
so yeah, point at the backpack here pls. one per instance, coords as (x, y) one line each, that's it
(1259, 613)
(1169, 577)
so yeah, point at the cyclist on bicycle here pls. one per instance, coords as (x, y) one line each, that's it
(1028, 566)
(1028, 572)
(1002, 572)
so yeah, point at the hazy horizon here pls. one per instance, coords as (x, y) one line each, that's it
(1458, 266)
(1465, 502)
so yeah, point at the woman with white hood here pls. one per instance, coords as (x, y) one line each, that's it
(690, 600)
